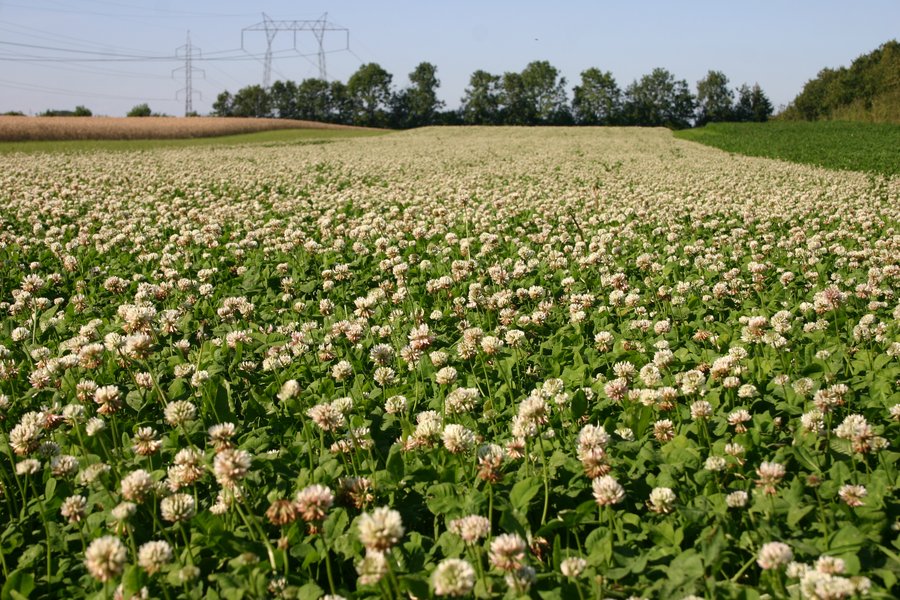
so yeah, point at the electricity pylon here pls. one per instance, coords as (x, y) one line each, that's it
(271, 27)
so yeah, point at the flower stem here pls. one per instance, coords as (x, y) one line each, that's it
(546, 478)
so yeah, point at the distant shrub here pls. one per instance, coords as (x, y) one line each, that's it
(140, 110)
(80, 111)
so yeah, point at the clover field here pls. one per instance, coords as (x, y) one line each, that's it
(451, 362)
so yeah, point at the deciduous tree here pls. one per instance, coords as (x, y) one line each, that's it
(658, 99)
(481, 104)
(314, 100)
(714, 99)
(370, 89)
(283, 98)
(422, 101)
(598, 100)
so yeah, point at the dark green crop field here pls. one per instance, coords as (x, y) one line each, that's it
(845, 145)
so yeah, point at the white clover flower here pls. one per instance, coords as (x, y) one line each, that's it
(289, 389)
(572, 566)
(607, 490)
(177, 508)
(153, 556)
(230, 466)
(853, 495)
(313, 502)
(457, 439)
(445, 376)
(470, 528)
(662, 500)
(737, 499)
(453, 577)
(507, 552)
(395, 405)
(380, 529)
(773, 555)
(372, 568)
(180, 412)
(137, 486)
(715, 463)
(341, 371)
(123, 511)
(105, 558)
(74, 508)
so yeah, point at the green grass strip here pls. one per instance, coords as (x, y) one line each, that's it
(843, 145)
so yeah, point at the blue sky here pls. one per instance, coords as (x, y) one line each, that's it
(779, 44)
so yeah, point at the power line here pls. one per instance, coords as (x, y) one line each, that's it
(62, 59)
(76, 51)
(46, 35)
(172, 12)
(113, 15)
(90, 69)
(65, 92)
(81, 54)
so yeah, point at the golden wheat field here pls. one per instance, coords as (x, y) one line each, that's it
(17, 129)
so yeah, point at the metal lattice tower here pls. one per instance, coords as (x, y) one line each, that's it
(189, 52)
(319, 32)
(270, 30)
(271, 27)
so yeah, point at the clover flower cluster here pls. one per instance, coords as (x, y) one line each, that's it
(389, 343)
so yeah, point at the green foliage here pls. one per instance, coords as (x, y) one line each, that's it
(313, 101)
(545, 91)
(535, 96)
(604, 383)
(714, 99)
(80, 111)
(340, 103)
(140, 110)
(223, 105)
(283, 97)
(598, 100)
(369, 89)
(481, 104)
(659, 100)
(250, 101)
(417, 105)
(752, 105)
(834, 145)
(867, 90)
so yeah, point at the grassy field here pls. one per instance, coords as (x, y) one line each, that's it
(831, 144)
(280, 136)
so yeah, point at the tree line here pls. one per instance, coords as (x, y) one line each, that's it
(538, 95)
(867, 90)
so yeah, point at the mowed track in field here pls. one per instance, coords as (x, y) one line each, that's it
(18, 129)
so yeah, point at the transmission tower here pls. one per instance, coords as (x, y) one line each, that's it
(189, 52)
(318, 27)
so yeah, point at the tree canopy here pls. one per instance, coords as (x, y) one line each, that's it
(868, 90)
(598, 100)
(536, 95)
